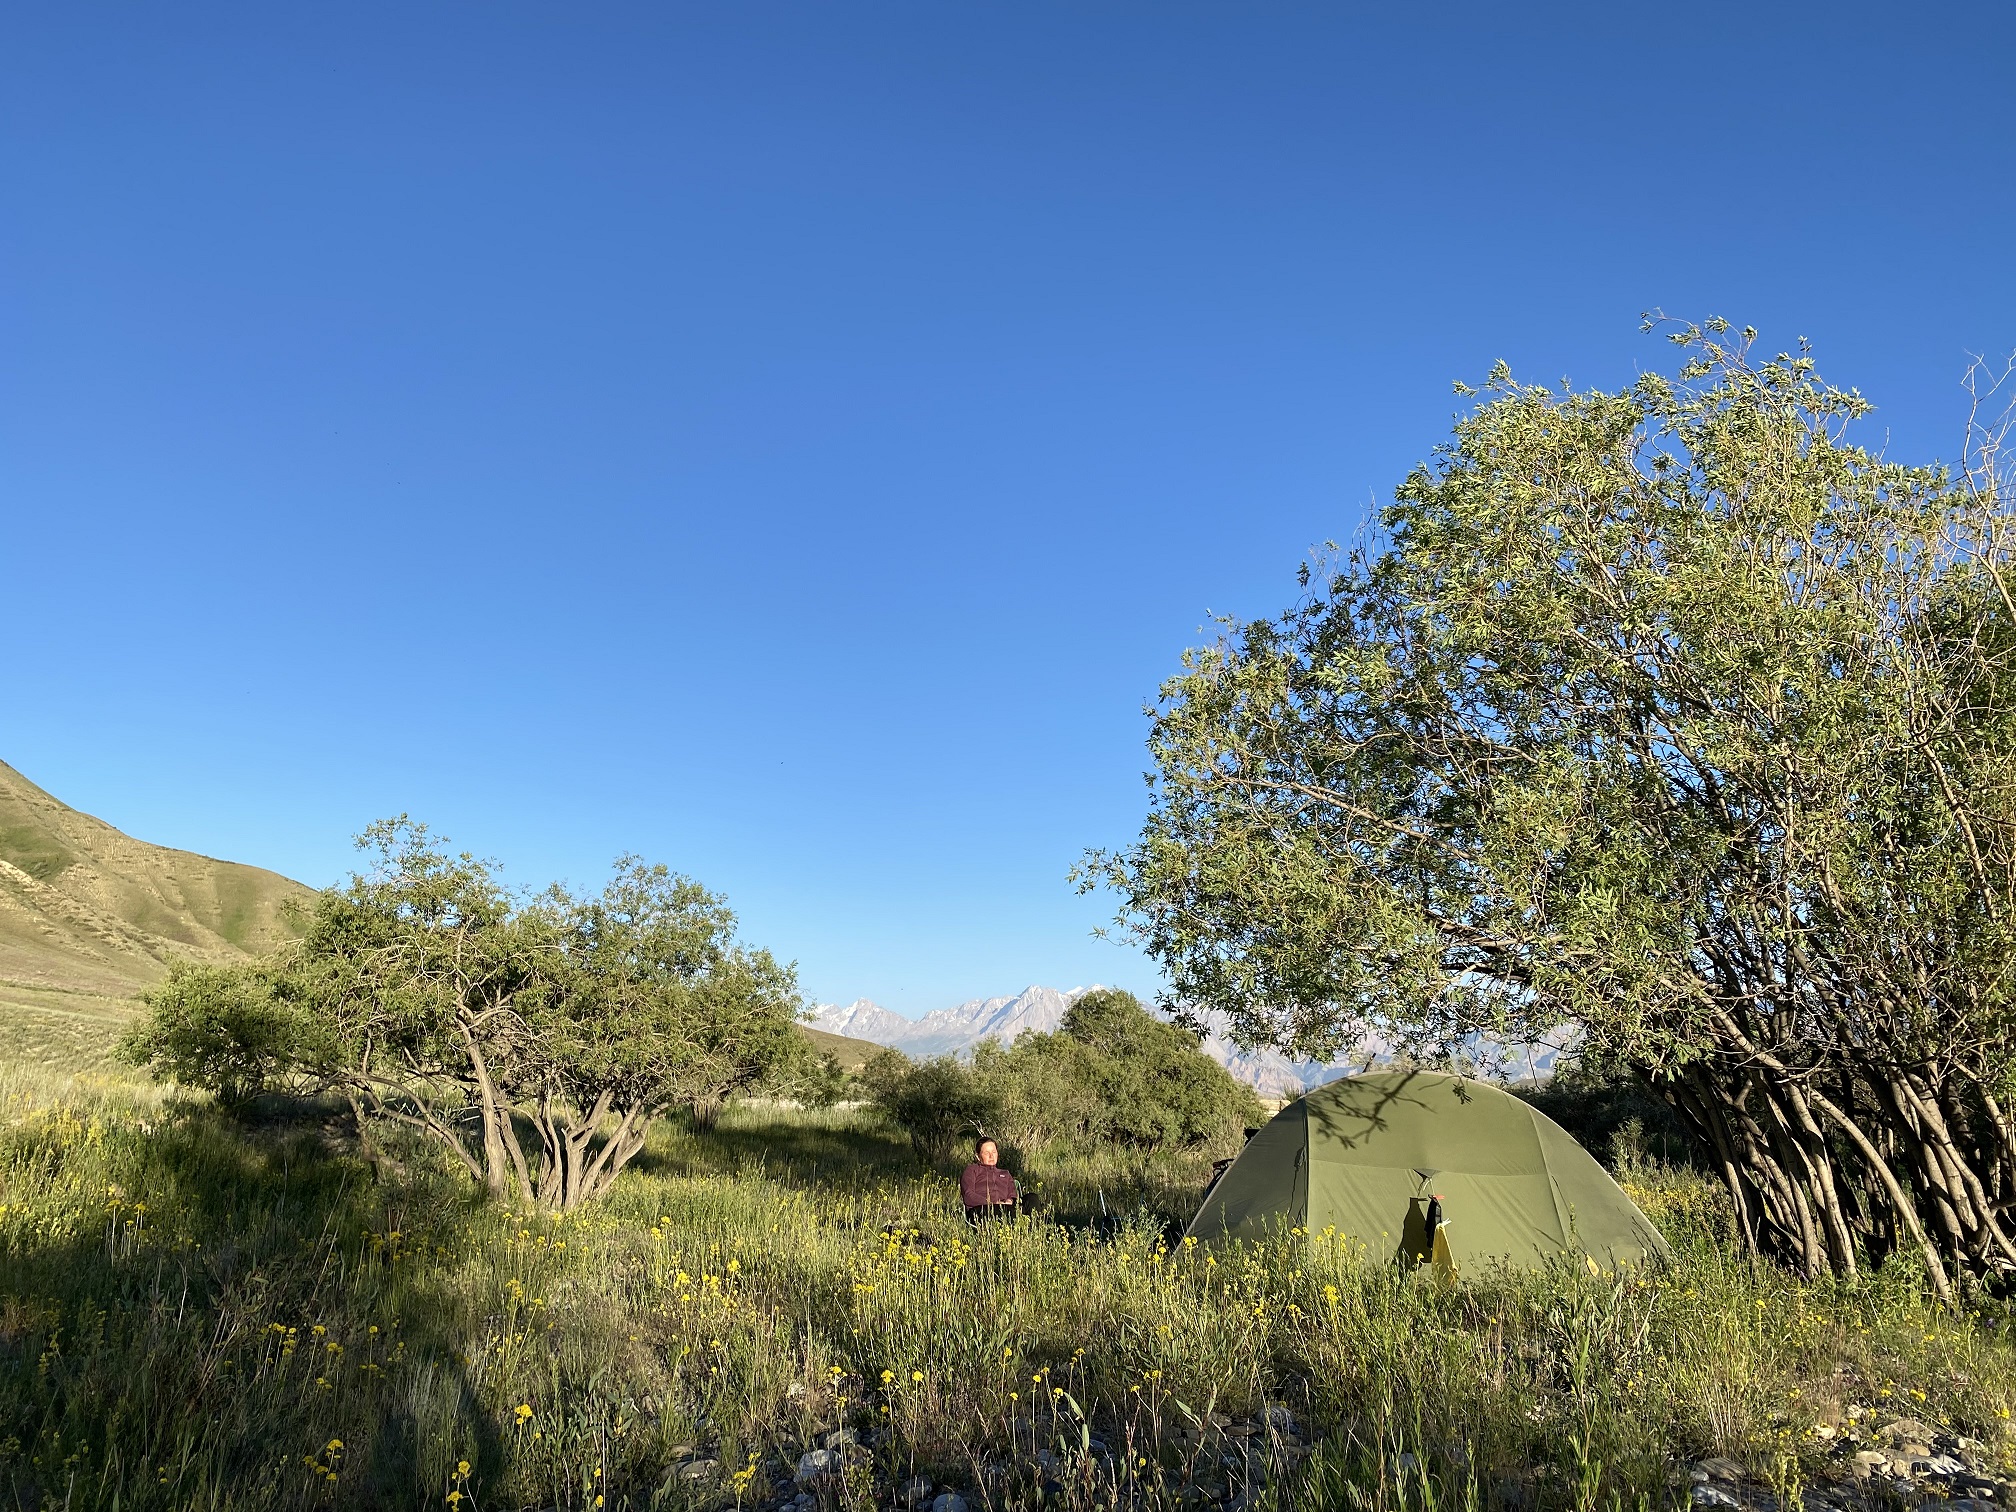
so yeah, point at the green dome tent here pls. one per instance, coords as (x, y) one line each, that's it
(1371, 1156)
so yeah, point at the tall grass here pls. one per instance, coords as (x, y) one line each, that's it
(199, 1314)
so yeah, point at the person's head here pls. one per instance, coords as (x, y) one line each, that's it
(988, 1151)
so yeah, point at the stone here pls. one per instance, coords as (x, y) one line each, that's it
(948, 1501)
(1279, 1418)
(1709, 1494)
(698, 1470)
(1965, 1504)
(839, 1438)
(1406, 1463)
(1721, 1469)
(915, 1490)
(1907, 1429)
(814, 1463)
(794, 1391)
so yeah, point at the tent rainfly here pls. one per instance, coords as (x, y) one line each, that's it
(1421, 1165)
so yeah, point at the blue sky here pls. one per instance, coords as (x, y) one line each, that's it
(793, 442)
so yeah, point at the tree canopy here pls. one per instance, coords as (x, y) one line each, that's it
(1669, 720)
(1113, 1073)
(430, 998)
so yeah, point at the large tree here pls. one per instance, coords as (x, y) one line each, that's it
(1669, 720)
(536, 1042)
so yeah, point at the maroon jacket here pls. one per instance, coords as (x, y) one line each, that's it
(986, 1186)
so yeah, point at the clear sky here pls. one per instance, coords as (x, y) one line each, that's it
(794, 442)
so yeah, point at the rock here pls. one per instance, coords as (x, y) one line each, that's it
(1721, 1469)
(1279, 1418)
(1709, 1494)
(1907, 1429)
(1823, 1430)
(1406, 1463)
(948, 1501)
(794, 1391)
(817, 1462)
(914, 1490)
(839, 1438)
(1929, 1463)
(682, 1451)
(1964, 1504)
(698, 1470)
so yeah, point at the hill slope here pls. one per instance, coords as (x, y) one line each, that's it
(89, 916)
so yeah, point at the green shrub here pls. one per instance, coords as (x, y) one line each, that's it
(219, 1027)
(937, 1102)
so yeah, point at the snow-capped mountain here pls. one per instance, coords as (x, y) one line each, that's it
(954, 1031)
(950, 1031)
(861, 1019)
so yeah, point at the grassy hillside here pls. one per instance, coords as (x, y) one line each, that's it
(852, 1054)
(89, 916)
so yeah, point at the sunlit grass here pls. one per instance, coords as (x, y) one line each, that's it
(195, 1313)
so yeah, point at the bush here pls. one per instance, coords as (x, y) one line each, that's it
(1155, 1086)
(219, 1027)
(937, 1102)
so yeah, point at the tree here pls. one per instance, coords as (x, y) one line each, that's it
(220, 1027)
(429, 998)
(666, 1008)
(1154, 1084)
(1666, 719)
(937, 1102)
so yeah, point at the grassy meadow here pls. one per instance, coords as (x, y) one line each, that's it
(197, 1312)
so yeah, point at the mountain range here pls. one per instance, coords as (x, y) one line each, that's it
(956, 1030)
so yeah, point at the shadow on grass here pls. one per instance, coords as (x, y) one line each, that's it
(845, 1150)
(168, 1268)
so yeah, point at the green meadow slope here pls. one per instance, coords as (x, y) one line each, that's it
(90, 916)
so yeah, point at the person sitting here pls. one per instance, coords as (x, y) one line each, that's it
(987, 1190)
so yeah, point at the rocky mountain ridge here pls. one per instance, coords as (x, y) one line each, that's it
(1037, 1009)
